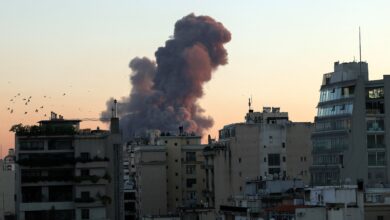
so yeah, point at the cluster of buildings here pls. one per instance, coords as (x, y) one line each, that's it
(266, 167)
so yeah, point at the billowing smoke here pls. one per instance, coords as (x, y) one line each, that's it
(164, 93)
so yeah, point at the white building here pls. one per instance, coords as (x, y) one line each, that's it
(345, 202)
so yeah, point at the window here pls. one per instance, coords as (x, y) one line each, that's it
(175, 144)
(265, 159)
(191, 195)
(376, 141)
(239, 160)
(190, 169)
(85, 156)
(176, 160)
(375, 93)
(379, 217)
(274, 171)
(265, 146)
(376, 158)
(85, 195)
(284, 159)
(31, 145)
(190, 156)
(283, 145)
(273, 159)
(84, 172)
(375, 125)
(176, 174)
(191, 182)
(84, 213)
(240, 174)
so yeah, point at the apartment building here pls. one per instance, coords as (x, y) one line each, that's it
(64, 172)
(351, 139)
(129, 183)
(266, 146)
(169, 174)
(7, 186)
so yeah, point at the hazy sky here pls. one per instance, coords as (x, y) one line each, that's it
(278, 53)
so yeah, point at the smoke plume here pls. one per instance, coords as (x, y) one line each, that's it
(165, 92)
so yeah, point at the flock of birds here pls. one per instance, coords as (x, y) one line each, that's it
(26, 101)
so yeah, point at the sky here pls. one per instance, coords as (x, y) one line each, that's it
(72, 56)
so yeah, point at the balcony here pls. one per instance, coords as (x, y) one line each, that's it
(93, 178)
(36, 179)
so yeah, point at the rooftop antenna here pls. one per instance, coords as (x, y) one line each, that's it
(250, 104)
(360, 52)
(115, 108)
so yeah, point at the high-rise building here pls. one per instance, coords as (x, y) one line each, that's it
(351, 138)
(266, 146)
(169, 174)
(64, 172)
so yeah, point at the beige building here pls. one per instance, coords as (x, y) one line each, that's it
(64, 172)
(266, 146)
(169, 174)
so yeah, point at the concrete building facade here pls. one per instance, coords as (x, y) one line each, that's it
(175, 162)
(266, 146)
(64, 172)
(350, 141)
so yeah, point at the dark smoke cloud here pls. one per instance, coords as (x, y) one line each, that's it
(164, 93)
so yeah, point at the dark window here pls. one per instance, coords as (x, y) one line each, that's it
(274, 171)
(188, 142)
(84, 172)
(31, 145)
(60, 193)
(176, 174)
(191, 182)
(190, 156)
(265, 146)
(85, 195)
(166, 142)
(84, 213)
(177, 187)
(176, 160)
(239, 160)
(283, 145)
(175, 144)
(284, 159)
(273, 159)
(265, 159)
(129, 196)
(380, 217)
(31, 194)
(60, 144)
(85, 156)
